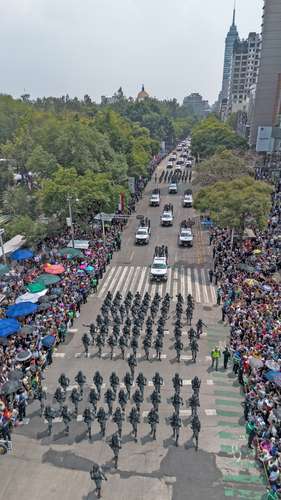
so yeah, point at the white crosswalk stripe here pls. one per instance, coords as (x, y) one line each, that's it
(181, 279)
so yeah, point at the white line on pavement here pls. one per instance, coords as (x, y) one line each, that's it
(58, 354)
(106, 281)
(141, 279)
(189, 285)
(204, 287)
(197, 286)
(211, 412)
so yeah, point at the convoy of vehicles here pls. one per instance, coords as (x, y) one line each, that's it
(173, 187)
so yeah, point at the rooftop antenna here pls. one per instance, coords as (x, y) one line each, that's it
(234, 13)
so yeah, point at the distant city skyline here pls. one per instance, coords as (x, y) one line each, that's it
(54, 48)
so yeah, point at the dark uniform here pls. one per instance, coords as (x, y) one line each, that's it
(153, 420)
(98, 476)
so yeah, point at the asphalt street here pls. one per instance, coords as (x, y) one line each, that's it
(42, 467)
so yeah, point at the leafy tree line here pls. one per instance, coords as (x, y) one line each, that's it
(77, 148)
(229, 193)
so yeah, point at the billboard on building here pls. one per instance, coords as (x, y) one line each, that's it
(265, 140)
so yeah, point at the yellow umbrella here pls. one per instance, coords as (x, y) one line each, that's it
(257, 251)
(251, 282)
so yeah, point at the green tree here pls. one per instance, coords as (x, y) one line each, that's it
(18, 200)
(211, 134)
(236, 204)
(41, 162)
(32, 230)
(222, 166)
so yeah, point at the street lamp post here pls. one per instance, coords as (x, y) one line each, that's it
(70, 220)
(2, 245)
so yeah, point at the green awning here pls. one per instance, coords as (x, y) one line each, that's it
(48, 279)
(70, 253)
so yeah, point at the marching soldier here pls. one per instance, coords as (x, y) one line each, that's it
(98, 381)
(64, 381)
(81, 381)
(194, 350)
(100, 344)
(88, 419)
(196, 428)
(115, 445)
(134, 345)
(178, 345)
(66, 417)
(138, 399)
(141, 382)
(123, 399)
(114, 381)
(177, 383)
(128, 381)
(177, 402)
(195, 384)
(75, 398)
(102, 418)
(49, 415)
(134, 419)
(93, 400)
(157, 381)
(86, 342)
(59, 396)
(132, 362)
(176, 423)
(112, 342)
(194, 403)
(109, 397)
(146, 346)
(158, 345)
(153, 420)
(118, 419)
(155, 399)
(98, 476)
(122, 345)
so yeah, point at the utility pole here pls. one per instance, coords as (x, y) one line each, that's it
(2, 245)
(70, 220)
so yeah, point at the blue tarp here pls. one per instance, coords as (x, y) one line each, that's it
(8, 327)
(48, 341)
(21, 309)
(273, 376)
(22, 254)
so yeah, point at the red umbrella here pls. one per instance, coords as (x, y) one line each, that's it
(53, 268)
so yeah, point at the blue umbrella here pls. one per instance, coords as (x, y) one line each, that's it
(21, 309)
(22, 254)
(90, 269)
(48, 341)
(274, 376)
(8, 327)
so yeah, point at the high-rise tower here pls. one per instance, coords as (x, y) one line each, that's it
(231, 38)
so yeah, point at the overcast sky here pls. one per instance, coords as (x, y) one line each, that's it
(54, 47)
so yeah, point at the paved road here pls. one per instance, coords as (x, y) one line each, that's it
(55, 467)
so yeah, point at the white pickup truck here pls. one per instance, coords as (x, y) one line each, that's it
(159, 269)
(185, 237)
(187, 200)
(142, 235)
(154, 200)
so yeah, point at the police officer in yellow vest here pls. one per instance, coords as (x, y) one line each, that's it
(215, 355)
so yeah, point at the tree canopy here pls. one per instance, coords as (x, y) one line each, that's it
(236, 204)
(222, 166)
(211, 135)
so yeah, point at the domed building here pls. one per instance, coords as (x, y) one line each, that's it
(142, 94)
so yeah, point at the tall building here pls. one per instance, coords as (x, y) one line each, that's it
(268, 92)
(244, 74)
(231, 38)
(196, 105)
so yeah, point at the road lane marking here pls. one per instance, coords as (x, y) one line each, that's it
(211, 412)
(105, 283)
(142, 276)
(134, 278)
(189, 284)
(197, 286)
(204, 287)
(127, 281)
(58, 354)
(182, 281)
(168, 287)
(120, 278)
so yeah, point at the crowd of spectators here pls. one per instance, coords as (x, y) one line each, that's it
(249, 289)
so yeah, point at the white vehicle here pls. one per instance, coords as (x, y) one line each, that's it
(187, 200)
(142, 235)
(170, 164)
(159, 269)
(188, 163)
(154, 200)
(167, 216)
(185, 238)
(178, 168)
(180, 162)
(173, 157)
(173, 188)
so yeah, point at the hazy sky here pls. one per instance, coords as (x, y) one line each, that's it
(174, 47)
